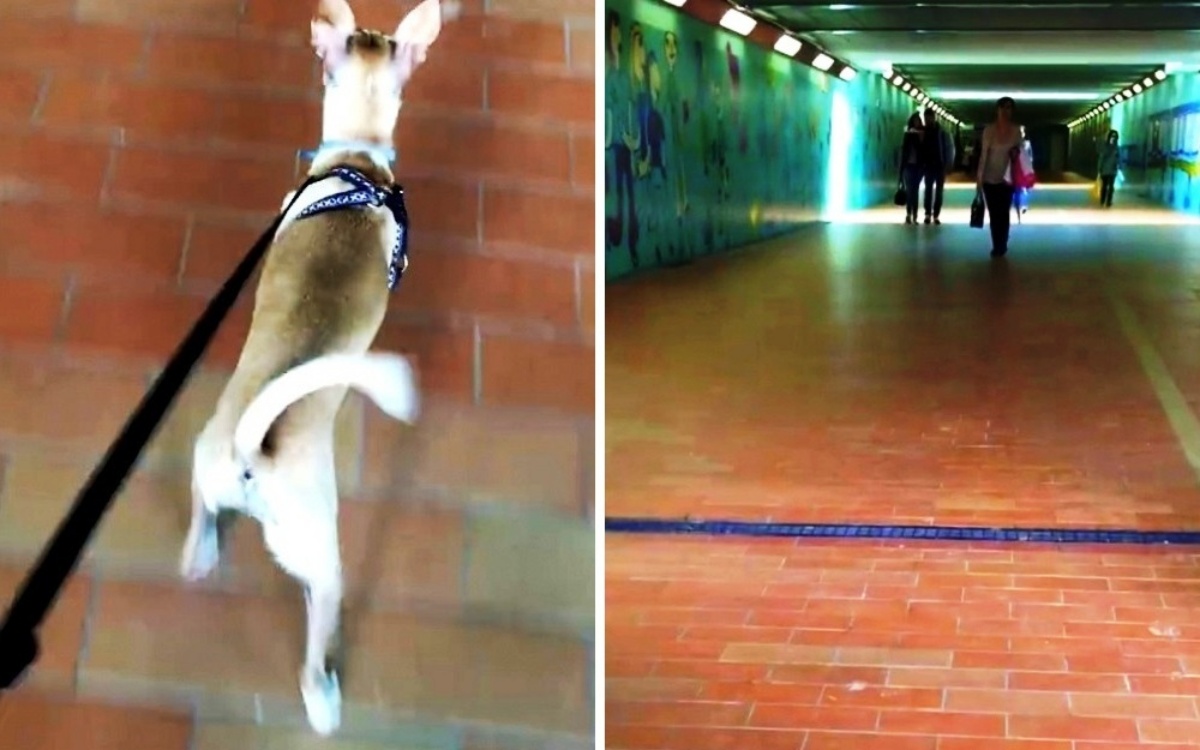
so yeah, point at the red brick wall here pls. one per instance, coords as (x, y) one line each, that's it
(143, 146)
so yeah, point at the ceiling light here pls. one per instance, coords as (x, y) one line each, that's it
(1137, 88)
(982, 95)
(906, 87)
(822, 61)
(898, 80)
(1128, 94)
(676, 3)
(1147, 81)
(847, 73)
(788, 45)
(1160, 74)
(738, 22)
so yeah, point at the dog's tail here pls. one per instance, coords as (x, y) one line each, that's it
(385, 378)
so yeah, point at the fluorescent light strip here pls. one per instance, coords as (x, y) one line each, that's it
(676, 3)
(738, 22)
(822, 61)
(1028, 96)
(787, 45)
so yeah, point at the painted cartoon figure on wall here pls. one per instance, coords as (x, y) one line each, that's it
(621, 141)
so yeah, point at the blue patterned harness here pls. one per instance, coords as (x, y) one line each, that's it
(366, 193)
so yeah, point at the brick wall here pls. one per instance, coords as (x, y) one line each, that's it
(145, 144)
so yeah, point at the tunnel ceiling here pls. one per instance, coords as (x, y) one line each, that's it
(1045, 48)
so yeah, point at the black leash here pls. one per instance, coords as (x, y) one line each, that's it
(18, 634)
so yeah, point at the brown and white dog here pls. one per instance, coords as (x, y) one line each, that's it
(268, 450)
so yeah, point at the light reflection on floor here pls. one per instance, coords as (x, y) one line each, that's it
(1050, 204)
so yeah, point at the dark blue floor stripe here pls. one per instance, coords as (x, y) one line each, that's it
(865, 531)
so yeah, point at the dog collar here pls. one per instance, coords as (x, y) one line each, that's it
(382, 156)
(367, 193)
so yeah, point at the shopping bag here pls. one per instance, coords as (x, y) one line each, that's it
(1023, 176)
(977, 209)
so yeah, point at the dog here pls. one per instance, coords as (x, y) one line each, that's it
(268, 450)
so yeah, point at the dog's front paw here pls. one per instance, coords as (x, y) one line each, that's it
(201, 551)
(322, 701)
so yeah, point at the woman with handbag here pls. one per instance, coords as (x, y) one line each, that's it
(1001, 144)
(910, 168)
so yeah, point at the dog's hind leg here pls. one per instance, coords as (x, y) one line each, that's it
(303, 537)
(319, 684)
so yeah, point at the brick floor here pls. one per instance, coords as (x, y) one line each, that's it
(145, 145)
(883, 374)
(720, 643)
(856, 376)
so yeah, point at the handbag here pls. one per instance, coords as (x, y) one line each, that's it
(1023, 176)
(977, 208)
(901, 196)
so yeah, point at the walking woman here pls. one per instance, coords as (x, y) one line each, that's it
(1000, 144)
(910, 165)
(1110, 162)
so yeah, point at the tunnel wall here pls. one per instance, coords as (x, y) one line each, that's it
(1160, 140)
(713, 142)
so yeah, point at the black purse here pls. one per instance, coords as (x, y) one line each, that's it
(977, 208)
(901, 196)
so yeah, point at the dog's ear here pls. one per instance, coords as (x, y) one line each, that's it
(420, 28)
(331, 28)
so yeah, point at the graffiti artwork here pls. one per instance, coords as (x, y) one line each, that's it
(1173, 157)
(712, 142)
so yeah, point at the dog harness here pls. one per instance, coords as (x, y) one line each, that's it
(366, 193)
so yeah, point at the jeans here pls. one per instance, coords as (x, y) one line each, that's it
(999, 198)
(935, 185)
(912, 186)
(1107, 183)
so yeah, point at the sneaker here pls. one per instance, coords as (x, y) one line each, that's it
(927, 219)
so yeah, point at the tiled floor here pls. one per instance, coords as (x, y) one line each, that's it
(875, 372)
(774, 644)
(870, 372)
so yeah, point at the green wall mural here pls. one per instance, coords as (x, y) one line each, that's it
(1160, 143)
(712, 142)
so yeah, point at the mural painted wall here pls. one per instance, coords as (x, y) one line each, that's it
(1160, 143)
(712, 142)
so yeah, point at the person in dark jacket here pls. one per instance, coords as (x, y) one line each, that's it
(1107, 166)
(910, 165)
(937, 155)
